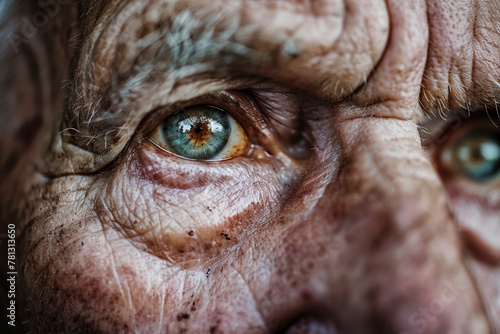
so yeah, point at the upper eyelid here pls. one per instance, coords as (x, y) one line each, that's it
(437, 130)
(225, 100)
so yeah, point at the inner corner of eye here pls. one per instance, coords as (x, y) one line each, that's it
(202, 132)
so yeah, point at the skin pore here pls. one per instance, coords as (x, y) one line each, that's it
(343, 211)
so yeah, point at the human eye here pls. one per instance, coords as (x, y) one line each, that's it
(473, 153)
(465, 150)
(201, 132)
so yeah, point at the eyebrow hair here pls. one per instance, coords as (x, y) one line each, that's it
(183, 46)
(189, 45)
(206, 44)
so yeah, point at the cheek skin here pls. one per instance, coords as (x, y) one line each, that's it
(145, 240)
(89, 277)
(179, 209)
(489, 276)
(86, 274)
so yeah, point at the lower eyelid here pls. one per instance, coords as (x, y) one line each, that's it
(159, 169)
(466, 192)
(177, 172)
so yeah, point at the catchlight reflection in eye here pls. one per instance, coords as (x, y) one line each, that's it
(202, 132)
(476, 155)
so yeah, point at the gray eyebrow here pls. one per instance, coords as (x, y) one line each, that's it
(189, 42)
(186, 46)
(186, 50)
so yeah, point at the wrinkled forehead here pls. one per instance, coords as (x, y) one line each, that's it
(284, 40)
(340, 40)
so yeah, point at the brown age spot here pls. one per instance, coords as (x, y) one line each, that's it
(204, 244)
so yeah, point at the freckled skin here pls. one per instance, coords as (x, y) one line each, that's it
(356, 235)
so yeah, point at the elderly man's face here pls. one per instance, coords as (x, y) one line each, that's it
(328, 166)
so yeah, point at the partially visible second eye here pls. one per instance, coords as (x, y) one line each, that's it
(202, 132)
(475, 154)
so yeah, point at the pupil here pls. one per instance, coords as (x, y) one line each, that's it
(198, 129)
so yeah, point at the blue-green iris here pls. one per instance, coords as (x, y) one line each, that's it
(198, 132)
(478, 155)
